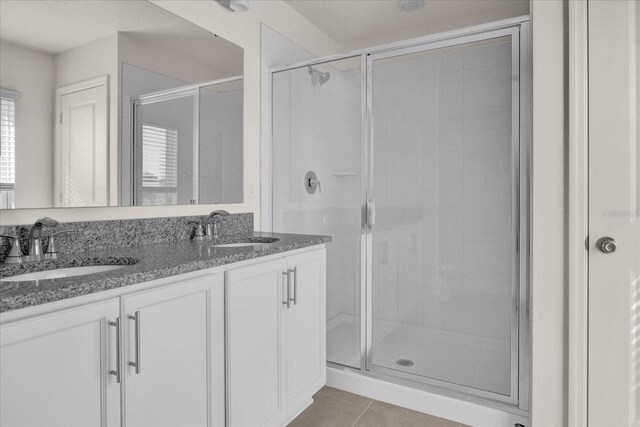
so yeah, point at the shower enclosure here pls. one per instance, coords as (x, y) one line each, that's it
(419, 161)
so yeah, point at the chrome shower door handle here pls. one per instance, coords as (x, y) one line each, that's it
(371, 213)
(294, 270)
(117, 371)
(285, 281)
(136, 364)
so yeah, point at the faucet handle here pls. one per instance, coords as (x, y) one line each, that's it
(15, 254)
(52, 251)
(199, 234)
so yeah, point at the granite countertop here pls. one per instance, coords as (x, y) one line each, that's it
(143, 263)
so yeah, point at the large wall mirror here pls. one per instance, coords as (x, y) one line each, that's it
(116, 103)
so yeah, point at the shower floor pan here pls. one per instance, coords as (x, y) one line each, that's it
(477, 362)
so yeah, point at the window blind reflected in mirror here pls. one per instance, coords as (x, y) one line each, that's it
(159, 165)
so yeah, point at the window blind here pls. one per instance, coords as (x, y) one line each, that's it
(159, 157)
(7, 143)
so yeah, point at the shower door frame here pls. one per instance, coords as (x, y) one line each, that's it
(518, 233)
(519, 28)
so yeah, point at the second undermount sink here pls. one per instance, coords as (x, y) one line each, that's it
(235, 245)
(61, 273)
(251, 241)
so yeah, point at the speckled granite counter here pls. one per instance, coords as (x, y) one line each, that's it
(143, 263)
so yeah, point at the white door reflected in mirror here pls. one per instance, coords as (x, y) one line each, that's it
(81, 172)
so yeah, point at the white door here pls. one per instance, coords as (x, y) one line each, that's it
(82, 167)
(253, 318)
(305, 328)
(175, 338)
(614, 212)
(55, 369)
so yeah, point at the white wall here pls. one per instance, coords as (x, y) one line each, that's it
(549, 224)
(141, 53)
(85, 62)
(31, 73)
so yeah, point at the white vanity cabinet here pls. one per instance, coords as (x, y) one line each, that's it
(174, 354)
(305, 330)
(276, 350)
(61, 368)
(54, 368)
(237, 345)
(254, 316)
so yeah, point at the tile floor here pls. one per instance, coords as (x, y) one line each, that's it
(336, 408)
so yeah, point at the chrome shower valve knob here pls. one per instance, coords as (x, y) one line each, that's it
(312, 183)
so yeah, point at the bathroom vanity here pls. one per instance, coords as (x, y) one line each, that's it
(188, 333)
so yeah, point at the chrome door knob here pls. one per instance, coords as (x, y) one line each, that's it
(607, 245)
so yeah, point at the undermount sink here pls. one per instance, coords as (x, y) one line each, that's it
(235, 245)
(253, 241)
(61, 273)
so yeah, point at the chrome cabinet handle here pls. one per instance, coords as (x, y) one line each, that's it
(136, 364)
(294, 270)
(285, 277)
(116, 372)
(607, 245)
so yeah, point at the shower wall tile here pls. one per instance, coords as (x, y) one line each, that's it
(318, 128)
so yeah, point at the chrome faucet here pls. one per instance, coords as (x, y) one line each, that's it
(35, 236)
(214, 217)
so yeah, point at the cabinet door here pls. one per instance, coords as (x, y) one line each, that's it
(55, 369)
(254, 301)
(305, 329)
(179, 379)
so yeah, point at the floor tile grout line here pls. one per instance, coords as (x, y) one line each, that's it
(370, 404)
(346, 400)
(365, 410)
(405, 417)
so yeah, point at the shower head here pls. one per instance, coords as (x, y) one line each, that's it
(322, 77)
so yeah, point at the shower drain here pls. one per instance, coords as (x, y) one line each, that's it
(404, 362)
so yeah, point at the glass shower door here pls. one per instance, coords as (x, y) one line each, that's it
(317, 134)
(444, 161)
